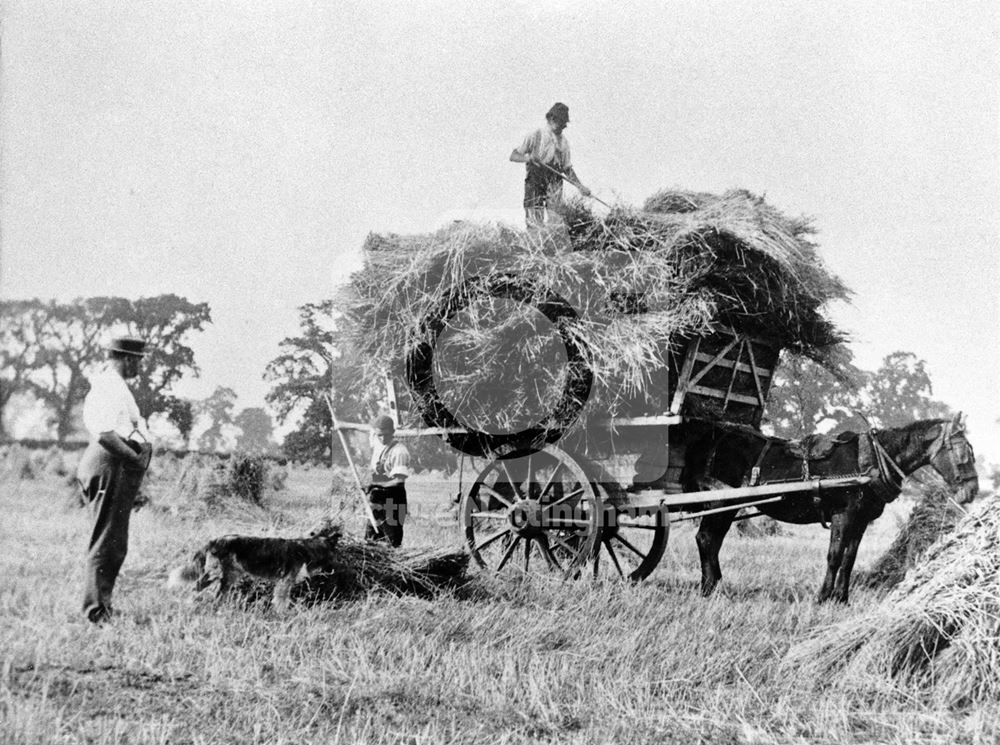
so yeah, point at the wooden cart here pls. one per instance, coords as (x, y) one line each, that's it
(602, 501)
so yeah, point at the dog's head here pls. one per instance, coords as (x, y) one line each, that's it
(191, 571)
(328, 531)
(212, 570)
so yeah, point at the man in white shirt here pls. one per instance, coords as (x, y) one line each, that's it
(386, 494)
(545, 153)
(110, 471)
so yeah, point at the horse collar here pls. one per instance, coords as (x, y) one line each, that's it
(885, 463)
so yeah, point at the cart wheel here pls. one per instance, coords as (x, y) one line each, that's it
(532, 511)
(630, 543)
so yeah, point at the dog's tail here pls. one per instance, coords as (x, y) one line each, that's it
(189, 573)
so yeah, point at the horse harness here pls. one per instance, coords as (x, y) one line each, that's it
(886, 474)
(873, 460)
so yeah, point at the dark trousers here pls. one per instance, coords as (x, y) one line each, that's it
(542, 190)
(110, 491)
(389, 507)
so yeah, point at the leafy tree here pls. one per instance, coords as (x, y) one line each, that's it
(900, 391)
(805, 396)
(319, 362)
(71, 343)
(21, 327)
(255, 430)
(165, 322)
(180, 411)
(218, 409)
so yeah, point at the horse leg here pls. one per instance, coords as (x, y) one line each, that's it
(711, 533)
(834, 555)
(853, 532)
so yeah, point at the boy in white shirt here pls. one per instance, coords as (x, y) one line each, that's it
(387, 494)
(110, 471)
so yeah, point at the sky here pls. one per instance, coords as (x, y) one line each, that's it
(238, 153)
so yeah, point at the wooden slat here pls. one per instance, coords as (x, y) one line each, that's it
(405, 432)
(711, 363)
(684, 376)
(756, 380)
(732, 378)
(640, 421)
(715, 393)
(741, 367)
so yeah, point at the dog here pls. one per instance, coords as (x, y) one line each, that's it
(284, 561)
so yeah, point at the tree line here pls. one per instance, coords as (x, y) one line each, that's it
(806, 398)
(47, 349)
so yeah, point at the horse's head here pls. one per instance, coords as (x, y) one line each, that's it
(950, 454)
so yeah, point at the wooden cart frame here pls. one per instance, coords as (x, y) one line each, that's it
(604, 505)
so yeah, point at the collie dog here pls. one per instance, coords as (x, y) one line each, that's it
(225, 561)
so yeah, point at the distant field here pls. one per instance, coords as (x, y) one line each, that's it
(540, 661)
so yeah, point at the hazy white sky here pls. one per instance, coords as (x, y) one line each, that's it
(239, 152)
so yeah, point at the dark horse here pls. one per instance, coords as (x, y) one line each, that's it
(735, 456)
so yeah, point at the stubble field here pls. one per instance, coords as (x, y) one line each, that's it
(536, 660)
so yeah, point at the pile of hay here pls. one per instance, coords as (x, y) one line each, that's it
(640, 283)
(361, 568)
(937, 634)
(357, 568)
(934, 514)
(208, 482)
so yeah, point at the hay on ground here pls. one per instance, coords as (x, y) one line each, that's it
(639, 282)
(357, 568)
(936, 634)
(361, 568)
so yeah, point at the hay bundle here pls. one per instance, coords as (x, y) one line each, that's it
(934, 515)
(360, 568)
(17, 464)
(638, 283)
(209, 479)
(937, 633)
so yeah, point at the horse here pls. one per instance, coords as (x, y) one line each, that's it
(727, 455)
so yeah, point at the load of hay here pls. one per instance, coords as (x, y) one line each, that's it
(639, 283)
(936, 634)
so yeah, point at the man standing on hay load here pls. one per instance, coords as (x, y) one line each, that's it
(545, 153)
(386, 493)
(110, 471)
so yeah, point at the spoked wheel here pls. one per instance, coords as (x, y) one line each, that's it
(532, 511)
(630, 543)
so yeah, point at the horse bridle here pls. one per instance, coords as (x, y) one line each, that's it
(962, 458)
(892, 474)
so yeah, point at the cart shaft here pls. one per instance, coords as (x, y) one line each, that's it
(647, 500)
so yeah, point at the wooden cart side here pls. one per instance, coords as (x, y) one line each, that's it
(726, 376)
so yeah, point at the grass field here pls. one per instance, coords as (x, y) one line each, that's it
(530, 661)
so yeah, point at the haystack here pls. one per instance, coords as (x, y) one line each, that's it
(639, 283)
(937, 634)
(934, 514)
